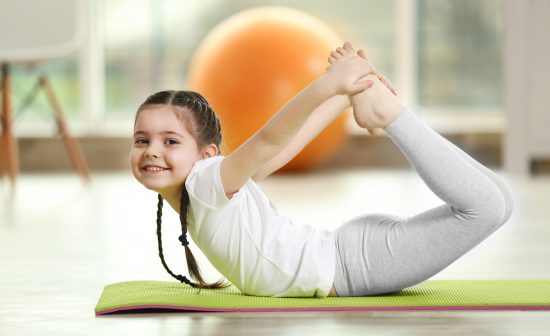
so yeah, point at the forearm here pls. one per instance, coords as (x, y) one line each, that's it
(279, 131)
(342, 77)
(321, 117)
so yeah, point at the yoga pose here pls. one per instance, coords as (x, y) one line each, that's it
(176, 153)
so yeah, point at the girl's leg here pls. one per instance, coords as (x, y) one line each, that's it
(508, 201)
(396, 253)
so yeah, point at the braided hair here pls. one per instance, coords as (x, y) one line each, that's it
(205, 127)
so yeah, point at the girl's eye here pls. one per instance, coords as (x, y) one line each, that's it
(171, 141)
(141, 141)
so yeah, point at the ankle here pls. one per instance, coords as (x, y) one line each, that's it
(390, 110)
(375, 107)
(385, 106)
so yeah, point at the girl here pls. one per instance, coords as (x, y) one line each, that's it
(176, 153)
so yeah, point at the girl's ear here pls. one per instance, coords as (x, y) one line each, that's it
(209, 151)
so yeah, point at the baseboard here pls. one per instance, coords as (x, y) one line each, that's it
(47, 154)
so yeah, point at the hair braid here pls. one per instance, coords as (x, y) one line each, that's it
(179, 277)
(192, 266)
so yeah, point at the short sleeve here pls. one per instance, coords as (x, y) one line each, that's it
(204, 182)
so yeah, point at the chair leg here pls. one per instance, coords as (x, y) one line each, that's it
(9, 160)
(75, 152)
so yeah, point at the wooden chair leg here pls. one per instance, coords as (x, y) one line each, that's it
(75, 152)
(9, 160)
(2, 159)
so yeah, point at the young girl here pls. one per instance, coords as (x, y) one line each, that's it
(176, 153)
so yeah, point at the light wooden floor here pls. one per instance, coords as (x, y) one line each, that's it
(61, 242)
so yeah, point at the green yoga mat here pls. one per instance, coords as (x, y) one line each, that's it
(139, 296)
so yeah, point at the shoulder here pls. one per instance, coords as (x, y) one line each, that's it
(202, 164)
(204, 169)
(204, 183)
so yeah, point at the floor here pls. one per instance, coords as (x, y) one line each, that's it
(62, 241)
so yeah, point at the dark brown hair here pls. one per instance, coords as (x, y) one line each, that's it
(205, 127)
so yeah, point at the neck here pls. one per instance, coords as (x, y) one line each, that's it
(173, 197)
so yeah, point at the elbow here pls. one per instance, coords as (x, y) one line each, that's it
(257, 177)
(268, 138)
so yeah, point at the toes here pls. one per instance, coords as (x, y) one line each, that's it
(331, 59)
(362, 54)
(341, 51)
(348, 47)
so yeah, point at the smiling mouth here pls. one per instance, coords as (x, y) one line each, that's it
(154, 169)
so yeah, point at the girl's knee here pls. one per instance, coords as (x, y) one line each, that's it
(497, 210)
(492, 211)
(508, 203)
(506, 194)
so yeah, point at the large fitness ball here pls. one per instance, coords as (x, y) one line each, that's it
(252, 63)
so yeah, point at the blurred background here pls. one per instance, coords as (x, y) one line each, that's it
(478, 72)
(447, 59)
(439, 53)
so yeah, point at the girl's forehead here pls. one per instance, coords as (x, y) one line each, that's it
(165, 116)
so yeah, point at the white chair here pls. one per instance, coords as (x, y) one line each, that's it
(32, 31)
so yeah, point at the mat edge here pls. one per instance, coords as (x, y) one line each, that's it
(380, 308)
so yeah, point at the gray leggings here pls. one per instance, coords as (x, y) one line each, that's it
(379, 253)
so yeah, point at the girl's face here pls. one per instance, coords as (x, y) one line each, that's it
(163, 151)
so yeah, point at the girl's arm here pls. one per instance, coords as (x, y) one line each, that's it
(342, 78)
(317, 122)
(320, 118)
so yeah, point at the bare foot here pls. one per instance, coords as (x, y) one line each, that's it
(385, 81)
(375, 107)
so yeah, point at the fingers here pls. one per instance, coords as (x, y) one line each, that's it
(347, 49)
(377, 73)
(384, 80)
(361, 86)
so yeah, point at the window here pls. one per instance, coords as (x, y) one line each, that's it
(444, 56)
(450, 62)
(459, 53)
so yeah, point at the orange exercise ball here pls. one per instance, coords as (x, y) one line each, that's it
(252, 63)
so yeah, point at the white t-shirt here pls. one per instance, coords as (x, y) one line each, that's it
(251, 244)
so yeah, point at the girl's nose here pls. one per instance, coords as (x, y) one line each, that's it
(153, 150)
(152, 155)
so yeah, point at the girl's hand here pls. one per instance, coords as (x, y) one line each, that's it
(377, 73)
(345, 73)
(348, 48)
